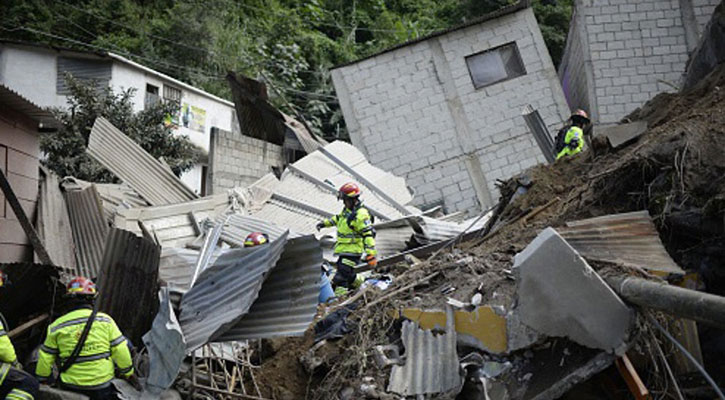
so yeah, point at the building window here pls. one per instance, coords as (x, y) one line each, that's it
(152, 96)
(85, 70)
(495, 65)
(172, 94)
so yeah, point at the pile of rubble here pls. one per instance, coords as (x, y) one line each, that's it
(518, 310)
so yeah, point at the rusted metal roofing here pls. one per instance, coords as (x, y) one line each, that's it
(287, 301)
(12, 99)
(510, 9)
(89, 229)
(630, 239)
(128, 282)
(173, 225)
(53, 222)
(128, 161)
(431, 361)
(225, 292)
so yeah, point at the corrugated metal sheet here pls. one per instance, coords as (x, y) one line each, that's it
(166, 346)
(172, 224)
(114, 197)
(53, 223)
(89, 229)
(630, 239)
(325, 170)
(83, 69)
(127, 160)
(238, 226)
(307, 140)
(177, 266)
(226, 291)
(128, 282)
(12, 99)
(431, 361)
(287, 301)
(289, 216)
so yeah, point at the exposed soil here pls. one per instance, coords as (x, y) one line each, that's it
(676, 170)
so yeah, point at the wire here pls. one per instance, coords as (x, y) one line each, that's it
(688, 355)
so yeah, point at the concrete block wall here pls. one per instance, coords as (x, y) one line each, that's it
(238, 160)
(572, 71)
(19, 154)
(637, 50)
(703, 10)
(398, 108)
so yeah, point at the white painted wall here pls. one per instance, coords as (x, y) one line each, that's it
(31, 72)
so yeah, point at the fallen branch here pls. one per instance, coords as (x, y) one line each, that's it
(24, 327)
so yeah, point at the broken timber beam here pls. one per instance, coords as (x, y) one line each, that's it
(24, 221)
(685, 303)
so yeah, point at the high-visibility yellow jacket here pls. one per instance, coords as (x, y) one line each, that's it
(94, 366)
(7, 354)
(574, 141)
(354, 232)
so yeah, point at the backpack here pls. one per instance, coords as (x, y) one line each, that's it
(560, 141)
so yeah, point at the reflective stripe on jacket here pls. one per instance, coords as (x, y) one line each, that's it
(574, 142)
(7, 353)
(354, 232)
(94, 366)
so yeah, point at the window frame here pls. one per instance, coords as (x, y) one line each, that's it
(517, 54)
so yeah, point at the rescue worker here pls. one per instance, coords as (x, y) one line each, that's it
(255, 239)
(355, 236)
(15, 383)
(572, 142)
(93, 369)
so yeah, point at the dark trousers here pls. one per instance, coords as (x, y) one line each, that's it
(19, 385)
(345, 275)
(106, 393)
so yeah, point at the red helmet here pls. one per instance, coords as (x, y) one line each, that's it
(255, 239)
(3, 279)
(81, 286)
(349, 190)
(581, 114)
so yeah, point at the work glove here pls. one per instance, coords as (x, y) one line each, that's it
(133, 380)
(371, 261)
(319, 226)
(573, 143)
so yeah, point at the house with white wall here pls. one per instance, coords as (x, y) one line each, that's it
(445, 110)
(37, 73)
(619, 53)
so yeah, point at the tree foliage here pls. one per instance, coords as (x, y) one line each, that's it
(290, 44)
(65, 149)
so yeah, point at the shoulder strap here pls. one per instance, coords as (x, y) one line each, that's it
(81, 341)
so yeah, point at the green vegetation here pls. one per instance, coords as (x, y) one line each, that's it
(65, 149)
(290, 44)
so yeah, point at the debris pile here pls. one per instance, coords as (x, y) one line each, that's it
(531, 321)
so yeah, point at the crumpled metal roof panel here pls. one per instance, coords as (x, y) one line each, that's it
(225, 291)
(128, 161)
(431, 361)
(89, 229)
(630, 239)
(54, 226)
(287, 302)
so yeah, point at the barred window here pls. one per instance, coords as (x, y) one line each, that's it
(495, 65)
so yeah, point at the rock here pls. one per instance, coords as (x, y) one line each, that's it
(560, 295)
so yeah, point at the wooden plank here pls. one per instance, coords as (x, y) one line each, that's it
(22, 217)
(634, 382)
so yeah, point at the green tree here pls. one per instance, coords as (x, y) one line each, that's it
(66, 149)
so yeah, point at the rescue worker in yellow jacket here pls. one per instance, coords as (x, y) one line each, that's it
(573, 141)
(93, 369)
(355, 235)
(15, 384)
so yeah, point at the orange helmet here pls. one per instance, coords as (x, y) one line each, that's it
(349, 190)
(255, 239)
(81, 286)
(580, 114)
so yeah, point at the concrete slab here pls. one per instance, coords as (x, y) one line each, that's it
(621, 133)
(560, 295)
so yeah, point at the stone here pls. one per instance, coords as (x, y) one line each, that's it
(560, 295)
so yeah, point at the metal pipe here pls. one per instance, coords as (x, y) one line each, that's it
(685, 303)
(365, 182)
